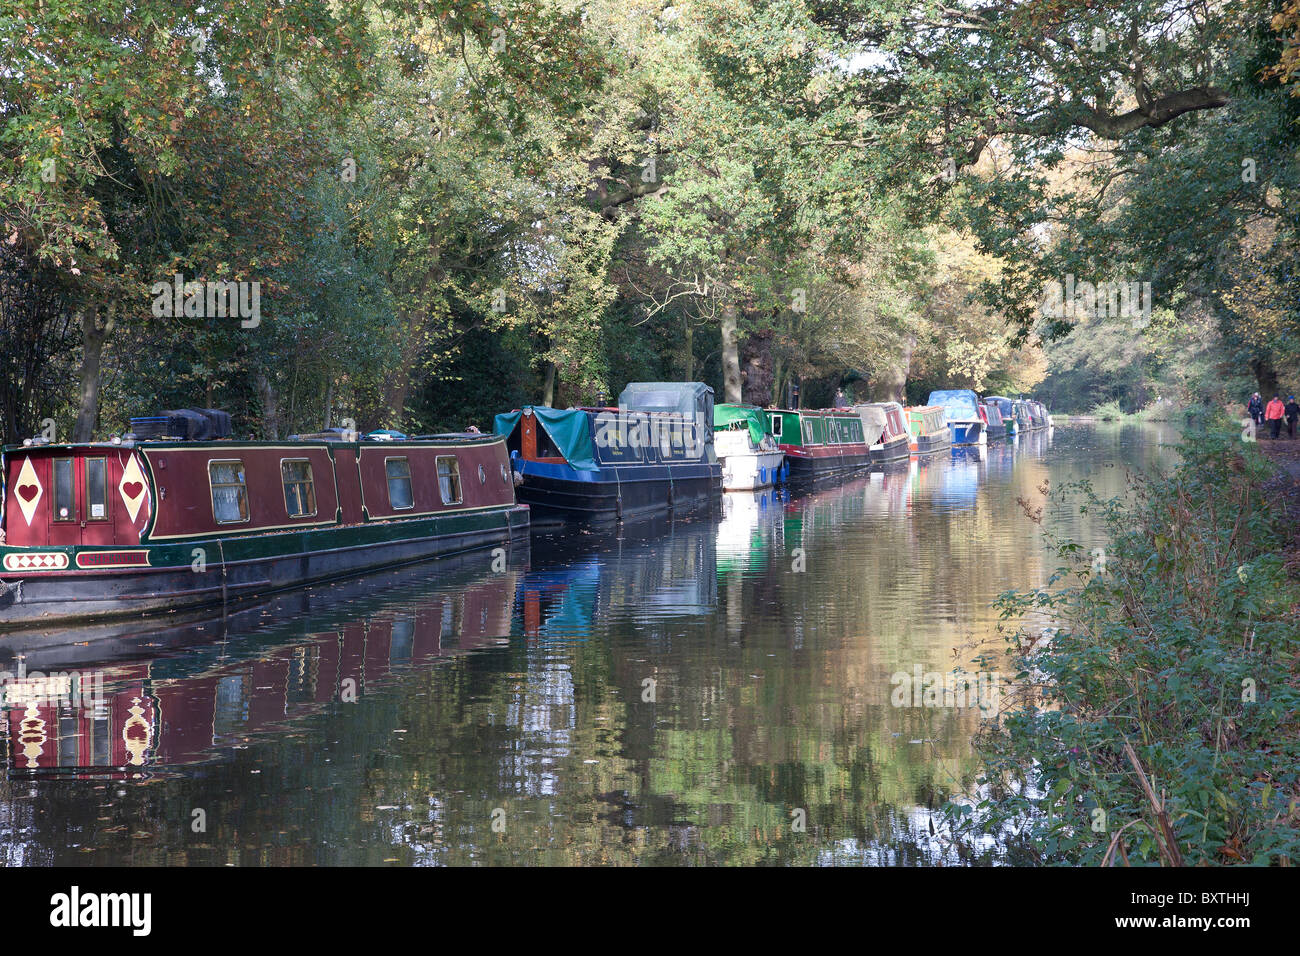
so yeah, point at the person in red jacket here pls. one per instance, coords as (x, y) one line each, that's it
(1274, 415)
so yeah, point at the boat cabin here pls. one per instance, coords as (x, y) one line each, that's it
(77, 520)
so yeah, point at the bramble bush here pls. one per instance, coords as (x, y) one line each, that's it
(1158, 724)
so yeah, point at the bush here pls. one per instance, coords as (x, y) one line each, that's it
(1109, 412)
(1159, 723)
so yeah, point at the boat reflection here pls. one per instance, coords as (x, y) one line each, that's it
(240, 677)
(751, 530)
(647, 572)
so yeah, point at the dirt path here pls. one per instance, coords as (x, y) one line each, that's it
(1285, 452)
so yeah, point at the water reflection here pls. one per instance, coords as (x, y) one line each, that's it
(716, 688)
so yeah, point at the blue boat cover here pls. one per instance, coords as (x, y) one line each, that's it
(959, 404)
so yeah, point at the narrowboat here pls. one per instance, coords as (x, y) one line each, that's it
(1039, 412)
(746, 448)
(928, 430)
(961, 408)
(652, 454)
(139, 525)
(1014, 412)
(994, 425)
(820, 443)
(885, 426)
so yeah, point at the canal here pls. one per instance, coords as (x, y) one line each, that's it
(720, 689)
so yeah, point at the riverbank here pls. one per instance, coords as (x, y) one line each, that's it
(1283, 490)
(1155, 720)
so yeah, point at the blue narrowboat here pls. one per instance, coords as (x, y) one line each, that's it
(652, 454)
(961, 409)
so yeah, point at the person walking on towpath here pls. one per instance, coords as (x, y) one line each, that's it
(1255, 409)
(1292, 413)
(1273, 414)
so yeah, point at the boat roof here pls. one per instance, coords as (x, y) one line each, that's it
(463, 438)
(847, 412)
(689, 398)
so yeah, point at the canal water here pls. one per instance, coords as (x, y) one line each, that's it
(722, 688)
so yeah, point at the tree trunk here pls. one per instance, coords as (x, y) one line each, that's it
(891, 386)
(398, 387)
(690, 352)
(730, 354)
(92, 351)
(329, 404)
(270, 409)
(1265, 376)
(548, 389)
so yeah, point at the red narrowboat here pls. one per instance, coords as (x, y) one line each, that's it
(885, 427)
(136, 526)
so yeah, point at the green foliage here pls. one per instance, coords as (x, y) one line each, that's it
(1177, 640)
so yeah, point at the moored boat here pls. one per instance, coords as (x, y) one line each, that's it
(1039, 411)
(820, 443)
(1033, 412)
(884, 426)
(961, 408)
(928, 430)
(1014, 412)
(651, 454)
(746, 448)
(133, 526)
(994, 424)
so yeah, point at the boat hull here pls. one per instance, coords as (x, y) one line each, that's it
(897, 448)
(966, 433)
(924, 445)
(561, 494)
(996, 432)
(752, 470)
(806, 468)
(209, 572)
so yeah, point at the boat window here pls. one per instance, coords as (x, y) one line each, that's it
(807, 431)
(299, 489)
(97, 489)
(449, 480)
(398, 471)
(546, 448)
(776, 425)
(64, 510)
(229, 494)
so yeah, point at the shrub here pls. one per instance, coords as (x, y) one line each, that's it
(1159, 723)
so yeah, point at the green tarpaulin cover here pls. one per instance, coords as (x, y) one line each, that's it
(569, 429)
(751, 414)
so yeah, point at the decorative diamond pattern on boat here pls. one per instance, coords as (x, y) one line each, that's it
(132, 487)
(28, 490)
(36, 561)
